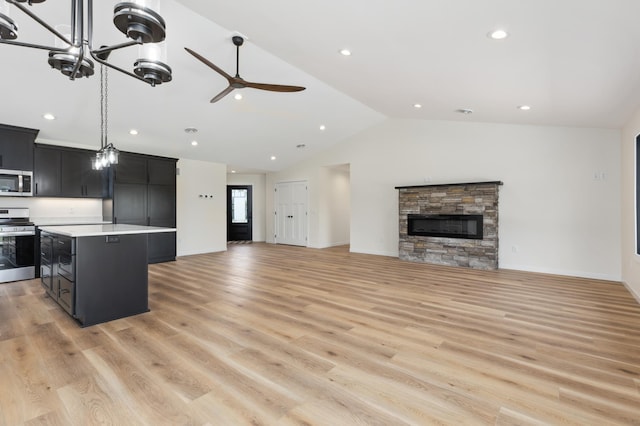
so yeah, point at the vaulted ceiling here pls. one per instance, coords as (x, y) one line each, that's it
(574, 62)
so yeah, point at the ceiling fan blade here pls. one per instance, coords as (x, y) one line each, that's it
(274, 87)
(222, 94)
(209, 64)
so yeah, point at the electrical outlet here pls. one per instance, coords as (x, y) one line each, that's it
(599, 175)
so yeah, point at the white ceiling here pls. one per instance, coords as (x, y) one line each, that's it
(575, 62)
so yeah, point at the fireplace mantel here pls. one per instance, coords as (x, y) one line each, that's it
(494, 182)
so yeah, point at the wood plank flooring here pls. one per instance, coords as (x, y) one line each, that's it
(276, 335)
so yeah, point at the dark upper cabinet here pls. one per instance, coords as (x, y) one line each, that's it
(47, 168)
(138, 168)
(78, 179)
(16, 147)
(66, 172)
(131, 168)
(161, 172)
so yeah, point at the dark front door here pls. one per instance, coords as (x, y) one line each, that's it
(239, 213)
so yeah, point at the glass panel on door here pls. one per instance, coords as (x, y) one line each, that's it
(239, 206)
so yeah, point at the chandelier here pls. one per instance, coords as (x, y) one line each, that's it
(108, 154)
(139, 23)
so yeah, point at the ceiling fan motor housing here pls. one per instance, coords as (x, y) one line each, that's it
(237, 40)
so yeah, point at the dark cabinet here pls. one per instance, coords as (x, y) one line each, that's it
(46, 174)
(130, 203)
(66, 172)
(78, 179)
(131, 168)
(144, 193)
(16, 147)
(48, 267)
(161, 172)
(161, 200)
(57, 269)
(96, 279)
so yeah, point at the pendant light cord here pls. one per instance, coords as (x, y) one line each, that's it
(103, 107)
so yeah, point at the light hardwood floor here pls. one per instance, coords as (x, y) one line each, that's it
(278, 335)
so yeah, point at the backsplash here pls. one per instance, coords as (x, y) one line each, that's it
(63, 208)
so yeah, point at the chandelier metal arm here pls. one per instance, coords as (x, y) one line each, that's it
(31, 45)
(76, 67)
(117, 68)
(36, 18)
(108, 49)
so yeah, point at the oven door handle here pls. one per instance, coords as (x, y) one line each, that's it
(17, 234)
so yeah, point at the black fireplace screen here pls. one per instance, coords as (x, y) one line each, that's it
(467, 226)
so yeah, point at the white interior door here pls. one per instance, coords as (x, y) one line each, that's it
(291, 213)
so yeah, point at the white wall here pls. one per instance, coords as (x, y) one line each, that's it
(201, 207)
(554, 216)
(258, 193)
(630, 260)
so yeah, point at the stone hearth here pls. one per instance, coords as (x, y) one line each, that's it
(475, 198)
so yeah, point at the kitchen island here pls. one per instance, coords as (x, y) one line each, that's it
(99, 272)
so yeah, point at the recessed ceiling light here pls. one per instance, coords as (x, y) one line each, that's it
(273, 157)
(49, 116)
(194, 143)
(418, 106)
(133, 132)
(323, 127)
(524, 107)
(498, 35)
(237, 96)
(233, 171)
(465, 111)
(345, 52)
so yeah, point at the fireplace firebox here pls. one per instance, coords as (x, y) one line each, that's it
(468, 226)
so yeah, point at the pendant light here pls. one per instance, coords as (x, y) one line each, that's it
(108, 154)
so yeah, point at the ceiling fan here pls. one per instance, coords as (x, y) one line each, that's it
(238, 82)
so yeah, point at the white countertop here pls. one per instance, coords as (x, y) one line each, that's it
(79, 220)
(105, 229)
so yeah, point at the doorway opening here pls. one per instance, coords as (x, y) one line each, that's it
(239, 213)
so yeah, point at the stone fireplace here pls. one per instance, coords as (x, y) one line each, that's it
(450, 224)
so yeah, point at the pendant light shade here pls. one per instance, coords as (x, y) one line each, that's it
(8, 28)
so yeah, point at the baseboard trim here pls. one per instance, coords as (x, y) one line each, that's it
(633, 293)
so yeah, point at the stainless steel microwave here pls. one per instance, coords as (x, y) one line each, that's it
(16, 183)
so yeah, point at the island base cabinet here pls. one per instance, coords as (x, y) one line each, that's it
(111, 277)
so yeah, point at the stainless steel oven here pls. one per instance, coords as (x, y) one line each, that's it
(17, 245)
